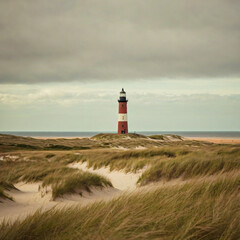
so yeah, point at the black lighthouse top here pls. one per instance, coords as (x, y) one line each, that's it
(122, 97)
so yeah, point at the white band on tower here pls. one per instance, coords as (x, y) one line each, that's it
(122, 117)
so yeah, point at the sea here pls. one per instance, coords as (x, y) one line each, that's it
(191, 134)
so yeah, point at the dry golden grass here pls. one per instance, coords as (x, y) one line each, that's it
(61, 178)
(13, 143)
(206, 206)
(197, 210)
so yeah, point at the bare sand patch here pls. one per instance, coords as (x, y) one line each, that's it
(120, 180)
(140, 148)
(31, 197)
(26, 201)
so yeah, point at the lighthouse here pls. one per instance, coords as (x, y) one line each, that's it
(122, 113)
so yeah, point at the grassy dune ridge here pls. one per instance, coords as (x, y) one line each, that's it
(163, 163)
(14, 143)
(114, 136)
(61, 178)
(166, 137)
(192, 165)
(197, 210)
(166, 163)
(130, 160)
(100, 141)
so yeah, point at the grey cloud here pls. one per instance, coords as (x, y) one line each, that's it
(83, 40)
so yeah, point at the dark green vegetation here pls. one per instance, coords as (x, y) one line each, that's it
(199, 210)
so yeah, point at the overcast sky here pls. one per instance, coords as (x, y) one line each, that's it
(63, 63)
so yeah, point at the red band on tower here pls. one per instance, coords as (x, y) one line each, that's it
(122, 113)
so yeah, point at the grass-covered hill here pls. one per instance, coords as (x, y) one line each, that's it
(168, 162)
(12, 143)
(115, 136)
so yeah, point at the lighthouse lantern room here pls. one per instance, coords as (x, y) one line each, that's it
(122, 113)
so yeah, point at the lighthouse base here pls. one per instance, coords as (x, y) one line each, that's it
(123, 127)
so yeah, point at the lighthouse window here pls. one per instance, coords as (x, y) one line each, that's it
(122, 105)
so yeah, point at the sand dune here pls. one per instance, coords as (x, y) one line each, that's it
(31, 197)
(120, 180)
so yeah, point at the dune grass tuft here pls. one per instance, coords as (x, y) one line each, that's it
(78, 182)
(61, 178)
(3, 195)
(3, 187)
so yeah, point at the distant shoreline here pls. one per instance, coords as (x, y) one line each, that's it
(232, 135)
(215, 140)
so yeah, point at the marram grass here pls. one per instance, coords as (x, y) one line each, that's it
(203, 210)
(3, 195)
(191, 165)
(78, 182)
(166, 163)
(62, 179)
(4, 185)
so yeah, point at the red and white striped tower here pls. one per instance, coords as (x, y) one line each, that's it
(122, 113)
